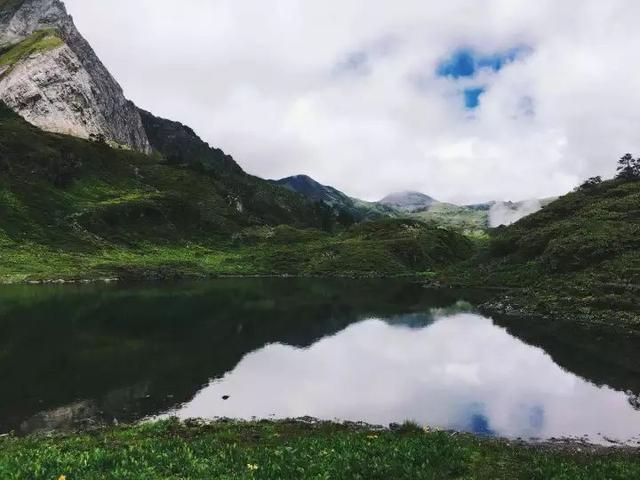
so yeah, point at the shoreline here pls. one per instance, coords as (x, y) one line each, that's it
(309, 424)
(502, 304)
(301, 449)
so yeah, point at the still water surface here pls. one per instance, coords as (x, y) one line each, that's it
(372, 351)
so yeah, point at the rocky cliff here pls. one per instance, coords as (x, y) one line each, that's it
(50, 75)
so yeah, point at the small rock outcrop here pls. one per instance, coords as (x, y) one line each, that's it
(50, 75)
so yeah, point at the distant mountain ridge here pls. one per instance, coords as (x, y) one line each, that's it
(341, 203)
(469, 218)
(313, 190)
(408, 201)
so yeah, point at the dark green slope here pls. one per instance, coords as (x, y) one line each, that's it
(180, 145)
(585, 231)
(56, 188)
(64, 202)
(580, 256)
(73, 209)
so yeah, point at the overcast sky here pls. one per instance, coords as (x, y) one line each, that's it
(463, 100)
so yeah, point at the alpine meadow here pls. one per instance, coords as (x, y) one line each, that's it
(422, 260)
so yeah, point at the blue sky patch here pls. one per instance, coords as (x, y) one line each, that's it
(479, 424)
(465, 62)
(461, 64)
(472, 97)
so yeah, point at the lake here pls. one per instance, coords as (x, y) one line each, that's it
(375, 351)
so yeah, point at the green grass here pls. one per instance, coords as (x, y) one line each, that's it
(38, 42)
(72, 209)
(578, 257)
(278, 250)
(290, 450)
(473, 222)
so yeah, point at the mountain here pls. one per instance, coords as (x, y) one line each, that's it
(50, 75)
(585, 229)
(180, 145)
(459, 217)
(341, 203)
(313, 190)
(578, 256)
(469, 219)
(58, 188)
(92, 186)
(408, 202)
(76, 209)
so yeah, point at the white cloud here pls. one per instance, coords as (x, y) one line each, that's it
(502, 213)
(439, 375)
(267, 82)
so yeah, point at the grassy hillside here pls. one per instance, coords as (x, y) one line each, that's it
(471, 221)
(581, 254)
(76, 209)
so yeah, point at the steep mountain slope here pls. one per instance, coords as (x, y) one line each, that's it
(341, 203)
(57, 189)
(180, 145)
(50, 75)
(71, 208)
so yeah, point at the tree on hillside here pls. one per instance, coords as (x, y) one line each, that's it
(629, 167)
(590, 184)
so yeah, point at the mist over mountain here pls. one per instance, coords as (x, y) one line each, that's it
(507, 213)
(417, 205)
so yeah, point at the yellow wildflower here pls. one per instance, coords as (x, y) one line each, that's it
(252, 466)
(62, 477)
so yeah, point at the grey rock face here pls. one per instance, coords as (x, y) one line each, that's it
(66, 89)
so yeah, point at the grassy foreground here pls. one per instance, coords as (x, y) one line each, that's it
(295, 450)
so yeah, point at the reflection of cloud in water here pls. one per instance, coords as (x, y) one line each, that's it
(460, 372)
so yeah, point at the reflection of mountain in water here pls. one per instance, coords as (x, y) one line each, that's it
(120, 352)
(76, 355)
(597, 353)
(461, 372)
